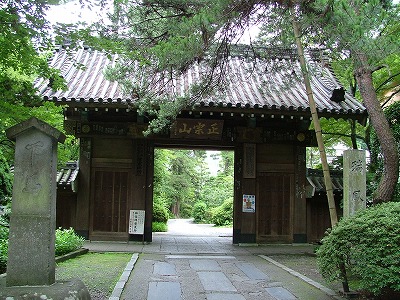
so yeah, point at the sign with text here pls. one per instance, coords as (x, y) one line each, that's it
(98, 128)
(249, 203)
(354, 182)
(197, 129)
(136, 221)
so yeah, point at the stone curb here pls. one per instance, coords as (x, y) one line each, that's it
(119, 287)
(71, 255)
(315, 284)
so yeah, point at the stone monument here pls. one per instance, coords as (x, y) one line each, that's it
(354, 182)
(31, 258)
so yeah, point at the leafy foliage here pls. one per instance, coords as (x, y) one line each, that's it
(5, 181)
(199, 212)
(368, 244)
(26, 43)
(160, 213)
(184, 185)
(159, 227)
(223, 214)
(25, 38)
(3, 248)
(67, 241)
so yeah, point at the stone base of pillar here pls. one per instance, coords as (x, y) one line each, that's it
(73, 289)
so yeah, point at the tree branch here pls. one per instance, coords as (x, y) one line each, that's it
(390, 97)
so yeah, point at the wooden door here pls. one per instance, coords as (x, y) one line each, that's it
(110, 197)
(273, 207)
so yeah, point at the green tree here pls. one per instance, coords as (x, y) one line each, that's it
(176, 180)
(25, 46)
(26, 43)
(220, 187)
(376, 168)
(367, 34)
(182, 181)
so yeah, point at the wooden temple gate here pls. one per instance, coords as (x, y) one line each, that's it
(268, 131)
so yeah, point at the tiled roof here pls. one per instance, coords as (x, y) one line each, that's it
(66, 176)
(255, 83)
(316, 181)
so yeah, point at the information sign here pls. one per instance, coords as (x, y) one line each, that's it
(136, 222)
(249, 203)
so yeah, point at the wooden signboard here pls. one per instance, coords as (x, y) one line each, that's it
(197, 129)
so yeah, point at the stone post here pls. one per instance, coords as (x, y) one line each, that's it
(31, 258)
(354, 182)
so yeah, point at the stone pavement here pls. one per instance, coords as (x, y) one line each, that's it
(209, 267)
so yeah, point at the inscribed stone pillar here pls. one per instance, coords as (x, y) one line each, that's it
(354, 181)
(31, 258)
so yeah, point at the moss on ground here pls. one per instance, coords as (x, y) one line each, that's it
(99, 271)
(305, 265)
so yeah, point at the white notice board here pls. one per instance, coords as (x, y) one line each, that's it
(136, 221)
(249, 203)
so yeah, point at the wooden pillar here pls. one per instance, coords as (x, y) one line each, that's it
(83, 198)
(148, 232)
(237, 208)
(300, 202)
(246, 164)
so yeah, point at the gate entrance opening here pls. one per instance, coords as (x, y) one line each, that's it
(193, 186)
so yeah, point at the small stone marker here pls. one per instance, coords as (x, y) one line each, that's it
(354, 182)
(31, 258)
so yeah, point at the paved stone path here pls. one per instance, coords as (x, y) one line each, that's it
(204, 265)
(211, 277)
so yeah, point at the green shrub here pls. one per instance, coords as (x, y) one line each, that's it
(185, 210)
(368, 244)
(223, 214)
(67, 241)
(160, 213)
(199, 212)
(3, 248)
(159, 227)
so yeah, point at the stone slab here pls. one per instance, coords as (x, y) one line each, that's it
(164, 269)
(354, 182)
(35, 172)
(219, 296)
(31, 236)
(280, 293)
(204, 265)
(199, 256)
(251, 271)
(34, 123)
(216, 281)
(73, 289)
(164, 290)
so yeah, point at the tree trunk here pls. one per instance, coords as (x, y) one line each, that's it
(353, 134)
(385, 136)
